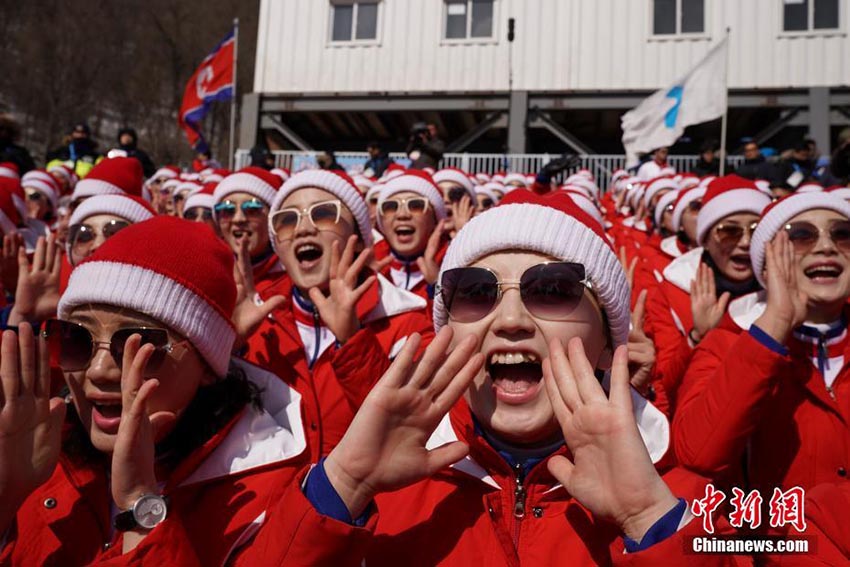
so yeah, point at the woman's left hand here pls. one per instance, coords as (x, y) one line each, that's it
(611, 473)
(247, 314)
(133, 457)
(641, 348)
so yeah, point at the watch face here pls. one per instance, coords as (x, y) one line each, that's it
(149, 511)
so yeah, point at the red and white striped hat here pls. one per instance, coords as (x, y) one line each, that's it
(456, 176)
(10, 170)
(127, 207)
(254, 181)
(203, 197)
(728, 195)
(189, 287)
(112, 176)
(419, 182)
(41, 181)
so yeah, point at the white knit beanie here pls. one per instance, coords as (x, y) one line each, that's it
(456, 176)
(585, 203)
(254, 181)
(725, 196)
(338, 184)
(415, 181)
(44, 183)
(487, 192)
(553, 225)
(514, 177)
(779, 213)
(656, 185)
(685, 198)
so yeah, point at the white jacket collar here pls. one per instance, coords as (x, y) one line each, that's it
(670, 246)
(258, 438)
(393, 301)
(653, 426)
(683, 270)
(746, 309)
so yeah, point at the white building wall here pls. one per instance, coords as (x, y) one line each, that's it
(561, 45)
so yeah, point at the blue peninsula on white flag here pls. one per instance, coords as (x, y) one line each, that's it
(698, 96)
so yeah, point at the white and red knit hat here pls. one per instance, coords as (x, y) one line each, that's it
(188, 187)
(666, 200)
(550, 224)
(780, 212)
(482, 178)
(10, 170)
(255, 181)
(843, 192)
(374, 192)
(127, 207)
(189, 287)
(685, 198)
(44, 183)
(166, 172)
(659, 184)
(204, 197)
(585, 203)
(338, 184)
(809, 187)
(487, 191)
(112, 176)
(363, 183)
(728, 195)
(10, 216)
(60, 170)
(513, 177)
(415, 181)
(456, 176)
(282, 172)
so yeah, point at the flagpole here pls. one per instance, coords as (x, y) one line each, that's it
(231, 156)
(725, 116)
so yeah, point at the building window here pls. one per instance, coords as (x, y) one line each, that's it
(810, 15)
(674, 17)
(469, 19)
(354, 20)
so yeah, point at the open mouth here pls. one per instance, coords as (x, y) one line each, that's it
(308, 254)
(823, 273)
(405, 233)
(517, 376)
(240, 233)
(741, 261)
(106, 414)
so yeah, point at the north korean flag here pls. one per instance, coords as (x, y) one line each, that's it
(212, 81)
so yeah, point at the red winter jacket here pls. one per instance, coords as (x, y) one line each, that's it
(470, 514)
(668, 320)
(652, 263)
(336, 384)
(406, 275)
(741, 397)
(219, 496)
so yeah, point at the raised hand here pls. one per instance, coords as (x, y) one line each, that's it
(610, 473)
(463, 211)
(30, 420)
(384, 448)
(641, 348)
(37, 291)
(706, 308)
(427, 263)
(338, 309)
(786, 303)
(248, 313)
(9, 261)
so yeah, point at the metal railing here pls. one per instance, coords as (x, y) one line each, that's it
(600, 165)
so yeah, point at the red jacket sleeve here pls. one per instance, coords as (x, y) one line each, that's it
(727, 384)
(672, 351)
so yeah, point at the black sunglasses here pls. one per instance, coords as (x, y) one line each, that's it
(551, 291)
(805, 235)
(456, 194)
(198, 213)
(81, 233)
(72, 347)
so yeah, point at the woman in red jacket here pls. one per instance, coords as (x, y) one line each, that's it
(340, 324)
(411, 217)
(698, 285)
(779, 392)
(536, 464)
(164, 450)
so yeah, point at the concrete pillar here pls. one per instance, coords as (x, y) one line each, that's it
(819, 118)
(518, 122)
(249, 121)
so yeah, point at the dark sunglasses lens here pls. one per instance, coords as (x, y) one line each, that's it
(69, 345)
(469, 293)
(156, 337)
(80, 234)
(456, 194)
(389, 207)
(802, 235)
(225, 210)
(35, 196)
(729, 233)
(253, 208)
(840, 234)
(695, 205)
(486, 204)
(113, 227)
(417, 205)
(552, 291)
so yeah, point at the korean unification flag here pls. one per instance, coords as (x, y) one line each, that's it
(697, 97)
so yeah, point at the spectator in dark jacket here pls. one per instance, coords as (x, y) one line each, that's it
(425, 148)
(755, 165)
(128, 141)
(378, 161)
(791, 171)
(708, 163)
(262, 157)
(10, 131)
(78, 148)
(839, 164)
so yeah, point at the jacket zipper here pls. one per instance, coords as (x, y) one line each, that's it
(317, 328)
(831, 393)
(519, 502)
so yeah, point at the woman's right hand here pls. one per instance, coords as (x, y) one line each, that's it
(30, 420)
(384, 448)
(786, 303)
(706, 308)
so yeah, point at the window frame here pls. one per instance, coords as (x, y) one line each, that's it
(467, 40)
(353, 42)
(678, 35)
(810, 31)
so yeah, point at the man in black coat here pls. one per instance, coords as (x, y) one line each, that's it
(9, 150)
